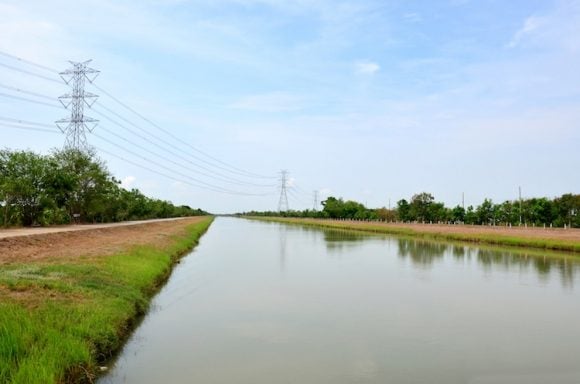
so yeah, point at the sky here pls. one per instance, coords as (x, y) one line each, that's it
(367, 100)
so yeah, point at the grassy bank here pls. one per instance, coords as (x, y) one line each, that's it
(483, 238)
(60, 320)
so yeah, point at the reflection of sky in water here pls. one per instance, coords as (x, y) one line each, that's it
(424, 253)
(261, 303)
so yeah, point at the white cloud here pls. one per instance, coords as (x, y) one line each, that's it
(531, 24)
(413, 17)
(366, 67)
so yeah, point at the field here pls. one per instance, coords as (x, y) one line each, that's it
(68, 300)
(540, 238)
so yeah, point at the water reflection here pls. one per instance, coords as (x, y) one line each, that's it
(425, 254)
(305, 305)
(421, 253)
(337, 240)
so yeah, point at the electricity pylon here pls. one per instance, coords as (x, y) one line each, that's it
(77, 124)
(283, 202)
(315, 207)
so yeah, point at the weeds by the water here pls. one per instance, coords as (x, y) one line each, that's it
(495, 239)
(59, 321)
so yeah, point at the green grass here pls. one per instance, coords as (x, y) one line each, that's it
(59, 322)
(483, 238)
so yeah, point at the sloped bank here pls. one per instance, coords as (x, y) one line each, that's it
(61, 319)
(451, 232)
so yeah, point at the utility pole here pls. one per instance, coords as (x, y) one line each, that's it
(315, 207)
(520, 193)
(463, 200)
(77, 124)
(283, 202)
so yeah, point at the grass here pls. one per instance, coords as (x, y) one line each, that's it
(483, 238)
(59, 322)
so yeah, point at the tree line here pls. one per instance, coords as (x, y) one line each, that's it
(422, 208)
(69, 186)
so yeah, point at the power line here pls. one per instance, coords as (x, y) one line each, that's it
(226, 167)
(26, 92)
(7, 125)
(10, 119)
(172, 146)
(29, 100)
(170, 149)
(172, 161)
(239, 170)
(31, 73)
(28, 62)
(203, 184)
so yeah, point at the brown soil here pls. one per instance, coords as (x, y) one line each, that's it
(88, 241)
(523, 232)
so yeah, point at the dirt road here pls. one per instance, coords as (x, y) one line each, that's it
(70, 242)
(4, 233)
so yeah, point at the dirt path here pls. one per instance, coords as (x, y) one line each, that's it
(69, 242)
(572, 234)
(4, 233)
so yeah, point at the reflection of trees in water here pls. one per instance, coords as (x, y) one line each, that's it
(458, 251)
(337, 240)
(424, 253)
(543, 265)
(421, 253)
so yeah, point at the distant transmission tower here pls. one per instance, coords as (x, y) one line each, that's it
(315, 207)
(283, 202)
(77, 124)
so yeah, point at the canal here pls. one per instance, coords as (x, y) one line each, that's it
(266, 303)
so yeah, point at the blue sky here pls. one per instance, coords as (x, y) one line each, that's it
(367, 100)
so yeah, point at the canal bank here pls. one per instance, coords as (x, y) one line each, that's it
(62, 315)
(567, 240)
(263, 302)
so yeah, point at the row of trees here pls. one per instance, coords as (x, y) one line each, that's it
(422, 207)
(71, 186)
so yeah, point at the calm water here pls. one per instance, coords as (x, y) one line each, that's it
(267, 303)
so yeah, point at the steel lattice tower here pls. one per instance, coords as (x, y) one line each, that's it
(77, 124)
(283, 202)
(315, 206)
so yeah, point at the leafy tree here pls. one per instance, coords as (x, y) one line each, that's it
(484, 212)
(24, 185)
(403, 210)
(420, 207)
(458, 214)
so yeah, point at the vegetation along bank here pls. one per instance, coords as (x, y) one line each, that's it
(71, 186)
(66, 309)
(539, 238)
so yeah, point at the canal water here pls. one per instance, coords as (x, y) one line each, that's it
(265, 303)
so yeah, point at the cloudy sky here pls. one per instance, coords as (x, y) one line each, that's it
(366, 100)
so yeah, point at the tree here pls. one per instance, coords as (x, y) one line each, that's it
(87, 183)
(458, 214)
(420, 206)
(24, 185)
(403, 210)
(484, 212)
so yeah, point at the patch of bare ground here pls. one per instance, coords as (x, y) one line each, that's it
(71, 245)
(571, 234)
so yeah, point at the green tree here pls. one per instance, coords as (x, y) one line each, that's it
(23, 185)
(420, 207)
(403, 210)
(484, 212)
